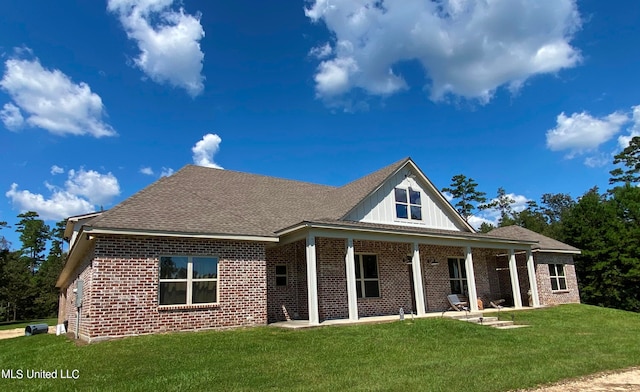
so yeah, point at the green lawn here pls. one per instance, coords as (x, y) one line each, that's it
(429, 354)
(23, 324)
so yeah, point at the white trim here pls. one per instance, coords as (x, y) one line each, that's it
(375, 234)
(471, 280)
(237, 237)
(312, 280)
(575, 252)
(352, 293)
(533, 282)
(515, 283)
(418, 288)
(189, 280)
(362, 280)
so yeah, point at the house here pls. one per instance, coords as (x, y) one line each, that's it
(210, 248)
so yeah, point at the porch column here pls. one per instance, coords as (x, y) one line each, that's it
(312, 280)
(352, 294)
(417, 280)
(515, 283)
(533, 283)
(471, 281)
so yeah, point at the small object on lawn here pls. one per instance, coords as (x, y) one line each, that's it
(401, 314)
(35, 329)
(60, 329)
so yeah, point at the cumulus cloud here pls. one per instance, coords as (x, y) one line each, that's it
(582, 132)
(83, 192)
(50, 100)
(492, 215)
(467, 48)
(322, 51)
(11, 117)
(146, 170)
(168, 40)
(634, 130)
(96, 187)
(166, 172)
(55, 169)
(205, 149)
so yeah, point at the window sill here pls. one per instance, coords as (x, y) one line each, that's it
(188, 307)
(560, 291)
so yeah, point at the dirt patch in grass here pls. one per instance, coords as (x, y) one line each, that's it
(14, 333)
(626, 380)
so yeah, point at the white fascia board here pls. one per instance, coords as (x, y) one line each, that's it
(237, 237)
(336, 231)
(73, 259)
(574, 252)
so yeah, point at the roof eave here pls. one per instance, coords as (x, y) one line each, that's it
(151, 233)
(568, 251)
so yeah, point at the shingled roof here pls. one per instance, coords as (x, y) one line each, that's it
(545, 243)
(201, 200)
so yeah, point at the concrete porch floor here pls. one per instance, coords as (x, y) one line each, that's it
(299, 324)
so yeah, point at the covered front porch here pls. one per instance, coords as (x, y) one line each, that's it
(324, 274)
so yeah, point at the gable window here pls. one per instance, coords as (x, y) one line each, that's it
(281, 275)
(408, 204)
(457, 275)
(186, 280)
(558, 278)
(367, 282)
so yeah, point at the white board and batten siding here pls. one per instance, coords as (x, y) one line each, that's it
(380, 207)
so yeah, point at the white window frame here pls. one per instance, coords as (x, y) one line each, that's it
(361, 280)
(285, 275)
(189, 280)
(461, 267)
(557, 267)
(408, 191)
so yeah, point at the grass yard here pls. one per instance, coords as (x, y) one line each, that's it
(22, 324)
(428, 354)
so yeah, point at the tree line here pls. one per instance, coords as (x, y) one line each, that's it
(27, 277)
(605, 225)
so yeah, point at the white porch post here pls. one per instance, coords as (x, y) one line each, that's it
(471, 281)
(515, 283)
(533, 283)
(352, 294)
(417, 280)
(312, 280)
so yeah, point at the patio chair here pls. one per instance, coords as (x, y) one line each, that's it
(497, 303)
(457, 304)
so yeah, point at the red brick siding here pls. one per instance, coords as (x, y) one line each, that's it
(122, 297)
(332, 278)
(394, 278)
(436, 277)
(283, 303)
(548, 296)
(68, 311)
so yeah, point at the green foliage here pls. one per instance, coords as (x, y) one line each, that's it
(463, 189)
(34, 234)
(630, 158)
(502, 203)
(561, 342)
(486, 227)
(608, 232)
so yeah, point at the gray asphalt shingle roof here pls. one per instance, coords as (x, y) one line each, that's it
(203, 200)
(544, 243)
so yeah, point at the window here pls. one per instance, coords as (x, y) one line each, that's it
(408, 204)
(558, 279)
(188, 280)
(367, 284)
(457, 276)
(281, 275)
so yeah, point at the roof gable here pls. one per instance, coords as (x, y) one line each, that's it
(378, 206)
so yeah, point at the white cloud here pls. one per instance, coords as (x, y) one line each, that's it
(321, 52)
(82, 193)
(168, 41)
(146, 170)
(597, 160)
(205, 149)
(51, 100)
(60, 205)
(492, 215)
(634, 130)
(55, 169)
(467, 48)
(166, 172)
(11, 117)
(582, 132)
(97, 188)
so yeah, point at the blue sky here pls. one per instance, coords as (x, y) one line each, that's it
(99, 99)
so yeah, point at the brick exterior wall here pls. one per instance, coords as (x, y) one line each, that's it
(67, 310)
(121, 287)
(287, 302)
(548, 296)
